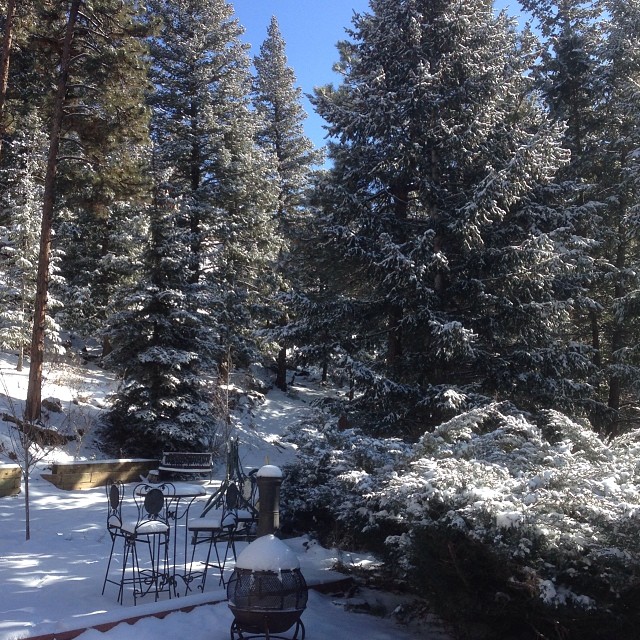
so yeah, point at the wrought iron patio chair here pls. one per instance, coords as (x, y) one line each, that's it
(229, 515)
(248, 508)
(217, 527)
(115, 496)
(150, 529)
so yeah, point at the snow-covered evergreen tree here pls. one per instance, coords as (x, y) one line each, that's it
(162, 346)
(566, 68)
(21, 202)
(104, 181)
(617, 111)
(440, 145)
(525, 526)
(99, 159)
(277, 101)
(589, 74)
(26, 112)
(205, 135)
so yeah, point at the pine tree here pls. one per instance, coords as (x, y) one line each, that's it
(277, 101)
(590, 76)
(618, 253)
(163, 348)
(34, 390)
(85, 51)
(440, 146)
(105, 183)
(206, 142)
(26, 106)
(21, 201)
(5, 59)
(211, 234)
(566, 70)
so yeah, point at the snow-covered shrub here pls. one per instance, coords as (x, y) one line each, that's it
(544, 505)
(335, 473)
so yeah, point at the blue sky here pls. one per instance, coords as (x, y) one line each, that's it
(311, 30)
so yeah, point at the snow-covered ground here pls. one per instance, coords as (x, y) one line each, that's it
(52, 583)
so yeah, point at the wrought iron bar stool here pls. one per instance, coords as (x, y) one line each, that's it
(115, 496)
(150, 529)
(215, 526)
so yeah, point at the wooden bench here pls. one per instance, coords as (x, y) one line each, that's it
(186, 462)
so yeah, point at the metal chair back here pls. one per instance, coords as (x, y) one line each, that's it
(152, 502)
(115, 496)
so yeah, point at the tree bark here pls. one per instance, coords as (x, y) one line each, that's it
(4, 64)
(34, 390)
(394, 340)
(395, 313)
(595, 339)
(195, 172)
(281, 375)
(618, 341)
(617, 337)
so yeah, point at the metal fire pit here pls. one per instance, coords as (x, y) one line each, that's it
(270, 598)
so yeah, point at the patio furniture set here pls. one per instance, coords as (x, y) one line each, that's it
(266, 592)
(152, 540)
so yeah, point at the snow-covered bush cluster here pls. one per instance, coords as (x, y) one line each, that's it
(336, 472)
(552, 497)
(547, 498)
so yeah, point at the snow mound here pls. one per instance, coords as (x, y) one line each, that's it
(267, 553)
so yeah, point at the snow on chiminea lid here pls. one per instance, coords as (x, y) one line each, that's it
(267, 553)
(269, 471)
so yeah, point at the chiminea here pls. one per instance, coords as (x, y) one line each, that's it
(267, 593)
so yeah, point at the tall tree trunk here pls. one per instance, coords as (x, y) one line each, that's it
(595, 339)
(618, 337)
(195, 172)
(34, 390)
(281, 374)
(395, 312)
(394, 340)
(106, 347)
(4, 64)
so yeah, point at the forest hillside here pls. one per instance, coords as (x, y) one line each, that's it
(461, 260)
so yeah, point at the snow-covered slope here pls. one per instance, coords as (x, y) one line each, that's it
(53, 582)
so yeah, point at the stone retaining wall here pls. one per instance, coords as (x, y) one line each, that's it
(95, 473)
(10, 477)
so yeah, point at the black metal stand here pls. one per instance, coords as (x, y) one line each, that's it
(244, 525)
(235, 475)
(236, 629)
